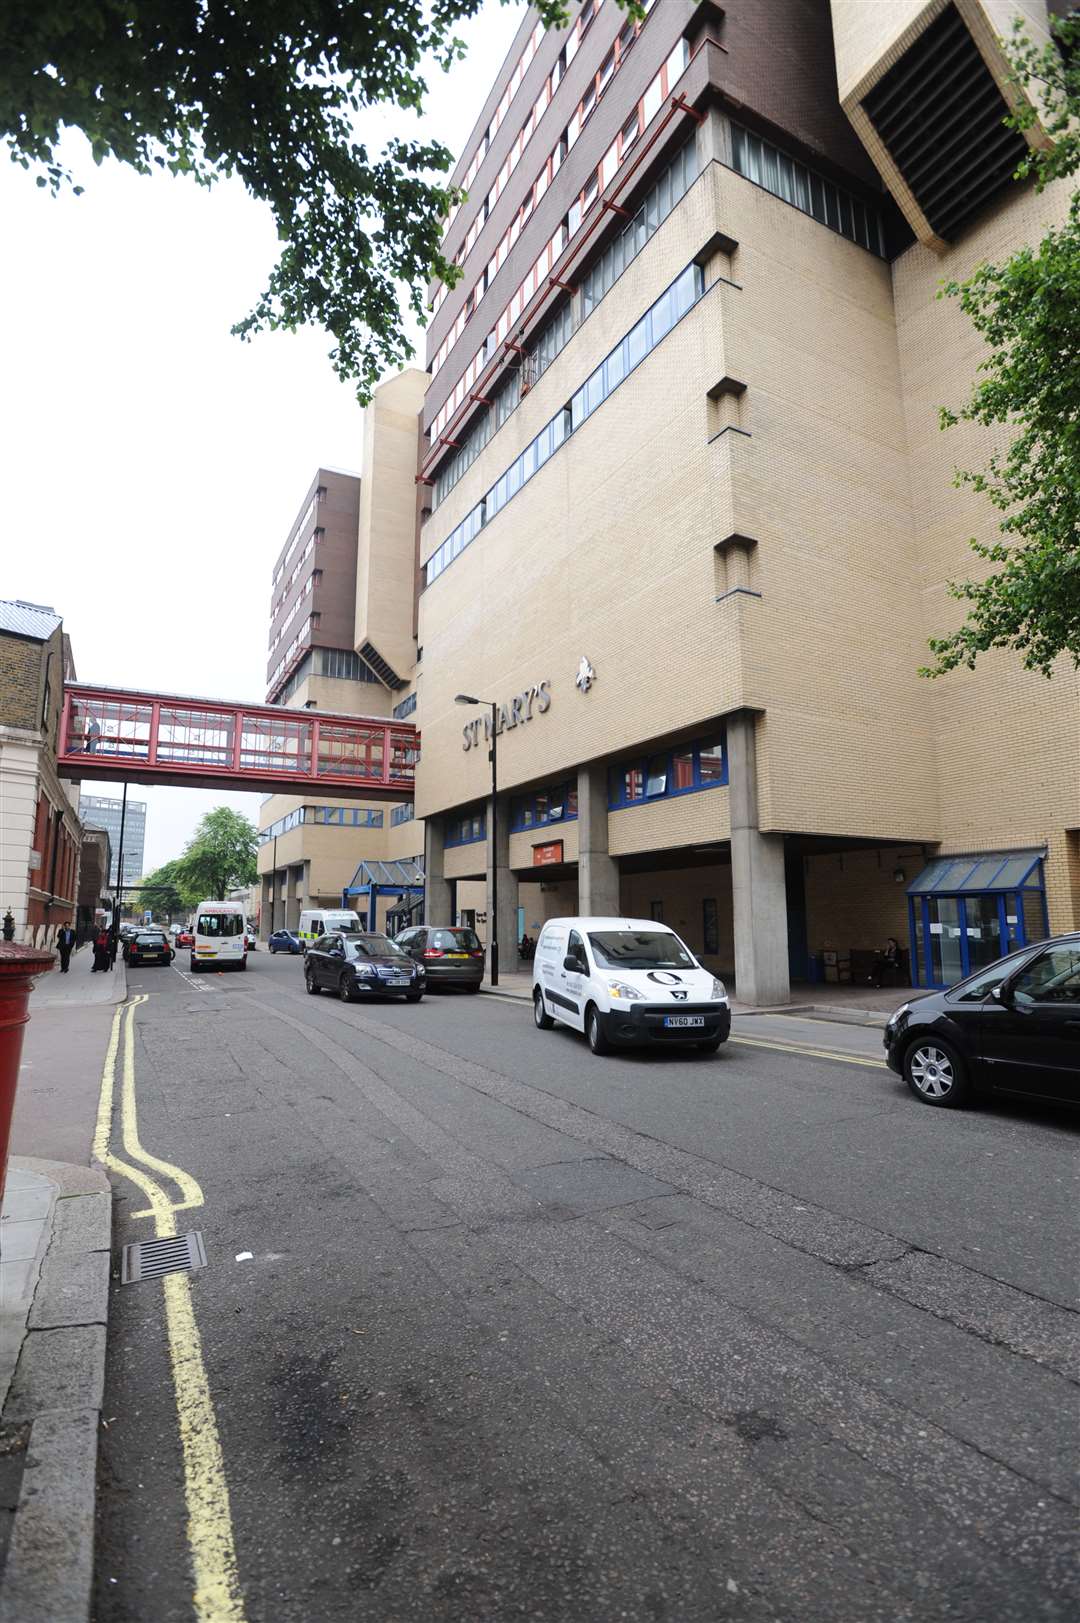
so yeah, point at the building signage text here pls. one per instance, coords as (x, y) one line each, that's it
(520, 709)
(543, 855)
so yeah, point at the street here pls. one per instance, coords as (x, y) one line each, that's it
(525, 1333)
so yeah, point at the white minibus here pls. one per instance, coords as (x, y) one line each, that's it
(219, 938)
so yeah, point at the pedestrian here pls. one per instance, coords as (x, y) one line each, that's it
(886, 963)
(9, 926)
(101, 950)
(65, 945)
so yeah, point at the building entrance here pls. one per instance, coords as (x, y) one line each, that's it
(967, 911)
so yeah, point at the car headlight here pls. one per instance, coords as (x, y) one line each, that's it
(896, 1017)
(364, 969)
(620, 989)
(719, 991)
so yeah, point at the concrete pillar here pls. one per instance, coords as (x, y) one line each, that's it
(438, 890)
(498, 857)
(757, 878)
(266, 920)
(598, 873)
(292, 899)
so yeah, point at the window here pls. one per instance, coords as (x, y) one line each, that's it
(402, 814)
(405, 708)
(1053, 977)
(557, 804)
(466, 830)
(683, 771)
(788, 179)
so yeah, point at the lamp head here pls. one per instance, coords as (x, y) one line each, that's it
(466, 698)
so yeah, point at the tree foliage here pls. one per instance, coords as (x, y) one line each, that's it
(219, 857)
(163, 891)
(270, 92)
(1028, 311)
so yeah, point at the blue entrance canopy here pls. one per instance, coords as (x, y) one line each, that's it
(399, 874)
(984, 871)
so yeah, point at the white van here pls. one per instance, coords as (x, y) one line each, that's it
(218, 936)
(626, 982)
(317, 921)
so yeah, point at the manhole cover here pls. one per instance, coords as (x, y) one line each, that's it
(149, 1259)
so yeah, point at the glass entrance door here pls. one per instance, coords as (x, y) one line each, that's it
(944, 945)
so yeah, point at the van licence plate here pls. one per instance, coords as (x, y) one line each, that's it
(684, 1019)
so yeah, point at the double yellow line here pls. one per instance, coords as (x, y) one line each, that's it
(813, 1053)
(216, 1596)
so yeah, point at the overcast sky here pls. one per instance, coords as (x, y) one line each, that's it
(151, 463)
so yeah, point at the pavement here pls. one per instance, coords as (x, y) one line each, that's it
(847, 1005)
(55, 1236)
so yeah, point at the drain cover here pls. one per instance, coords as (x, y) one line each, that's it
(149, 1259)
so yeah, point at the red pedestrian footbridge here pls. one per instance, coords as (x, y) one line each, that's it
(114, 736)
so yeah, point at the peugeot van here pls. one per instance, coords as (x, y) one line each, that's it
(317, 921)
(219, 939)
(626, 982)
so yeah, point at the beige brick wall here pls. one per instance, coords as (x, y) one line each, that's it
(387, 541)
(853, 900)
(523, 843)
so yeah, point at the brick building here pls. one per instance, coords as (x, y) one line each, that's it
(686, 514)
(40, 833)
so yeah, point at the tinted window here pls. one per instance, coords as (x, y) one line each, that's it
(1053, 977)
(977, 987)
(640, 949)
(374, 946)
(148, 940)
(455, 940)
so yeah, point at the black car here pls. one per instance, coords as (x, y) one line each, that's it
(148, 947)
(451, 955)
(358, 966)
(285, 941)
(1014, 1026)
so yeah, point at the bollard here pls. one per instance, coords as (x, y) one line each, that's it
(18, 967)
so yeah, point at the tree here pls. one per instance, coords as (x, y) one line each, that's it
(1028, 311)
(163, 891)
(220, 856)
(269, 92)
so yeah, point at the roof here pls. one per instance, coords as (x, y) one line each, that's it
(401, 873)
(979, 871)
(28, 619)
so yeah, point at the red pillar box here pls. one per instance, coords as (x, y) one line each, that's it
(18, 967)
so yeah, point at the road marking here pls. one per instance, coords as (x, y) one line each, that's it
(216, 1597)
(812, 1053)
(198, 986)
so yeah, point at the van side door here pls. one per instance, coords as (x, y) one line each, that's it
(574, 985)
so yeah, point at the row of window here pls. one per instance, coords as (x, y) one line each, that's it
(654, 325)
(670, 186)
(679, 771)
(537, 277)
(294, 574)
(312, 581)
(341, 663)
(405, 708)
(338, 816)
(302, 636)
(402, 814)
(543, 806)
(297, 533)
(466, 830)
(831, 205)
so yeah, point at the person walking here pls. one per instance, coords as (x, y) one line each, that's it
(101, 950)
(65, 945)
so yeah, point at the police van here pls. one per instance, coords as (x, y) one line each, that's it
(317, 921)
(626, 982)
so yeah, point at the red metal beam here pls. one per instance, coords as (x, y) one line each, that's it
(112, 735)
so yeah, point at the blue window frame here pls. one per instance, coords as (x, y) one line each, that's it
(345, 816)
(402, 814)
(557, 804)
(683, 770)
(405, 708)
(466, 829)
(965, 912)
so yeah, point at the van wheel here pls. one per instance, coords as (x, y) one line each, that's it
(194, 966)
(243, 963)
(309, 980)
(541, 1018)
(594, 1032)
(712, 1046)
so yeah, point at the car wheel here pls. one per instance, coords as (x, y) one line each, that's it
(272, 951)
(346, 988)
(310, 981)
(934, 1073)
(473, 986)
(541, 1018)
(413, 997)
(594, 1031)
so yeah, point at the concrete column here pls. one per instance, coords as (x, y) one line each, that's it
(598, 873)
(713, 139)
(292, 899)
(266, 922)
(438, 890)
(757, 878)
(498, 856)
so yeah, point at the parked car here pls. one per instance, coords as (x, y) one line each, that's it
(359, 966)
(149, 947)
(1012, 1027)
(184, 937)
(451, 955)
(285, 941)
(626, 982)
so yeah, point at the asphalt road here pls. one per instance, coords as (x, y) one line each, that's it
(531, 1334)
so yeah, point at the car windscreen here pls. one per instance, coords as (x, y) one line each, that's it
(374, 946)
(219, 924)
(455, 940)
(639, 949)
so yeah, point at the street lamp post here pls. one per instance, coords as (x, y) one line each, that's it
(466, 698)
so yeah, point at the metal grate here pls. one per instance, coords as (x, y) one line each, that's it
(150, 1259)
(939, 111)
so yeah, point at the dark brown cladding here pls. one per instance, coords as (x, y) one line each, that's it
(331, 507)
(775, 69)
